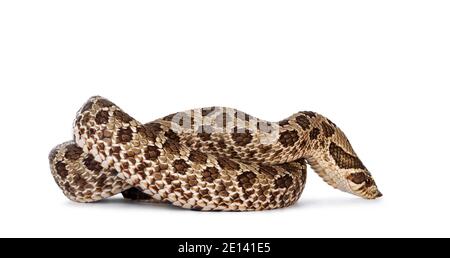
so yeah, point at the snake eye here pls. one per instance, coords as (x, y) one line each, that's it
(369, 182)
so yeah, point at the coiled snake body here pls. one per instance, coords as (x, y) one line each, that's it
(204, 159)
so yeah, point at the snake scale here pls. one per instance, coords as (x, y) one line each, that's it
(212, 158)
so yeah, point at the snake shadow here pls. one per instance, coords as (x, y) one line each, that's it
(334, 202)
(126, 203)
(303, 203)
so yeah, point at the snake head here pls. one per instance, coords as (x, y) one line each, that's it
(362, 184)
(341, 168)
(355, 175)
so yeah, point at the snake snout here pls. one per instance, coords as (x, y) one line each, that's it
(372, 195)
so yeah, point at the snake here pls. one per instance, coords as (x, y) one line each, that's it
(206, 159)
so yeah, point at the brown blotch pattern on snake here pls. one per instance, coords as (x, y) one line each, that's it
(124, 135)
(102, 117)
(151, 153)
(210, 174)
(73, 152)
(151, 130)
(61, 169)
(92, 164)
(314, 133)
(303, 122)
(288, 138)
(344, 159)
(172, 146)
(241, 137)
(170, 134)
(328, 130)
(246, 179)
(284, 182)
(180, 166)
(197, 156)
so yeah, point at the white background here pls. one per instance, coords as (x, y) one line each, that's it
(379, 69)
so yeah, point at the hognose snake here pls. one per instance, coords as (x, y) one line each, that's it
(204, 159)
